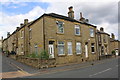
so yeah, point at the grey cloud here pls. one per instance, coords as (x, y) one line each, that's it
(100, 13)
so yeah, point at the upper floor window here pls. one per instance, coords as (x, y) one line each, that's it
(99, 38)
(30, 33)
(91, 32)
(22, 34)
(105, 38)
(60, 26)
(77, 30)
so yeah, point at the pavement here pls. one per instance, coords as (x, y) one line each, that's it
(13, 69)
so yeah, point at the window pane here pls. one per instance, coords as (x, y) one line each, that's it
(60, 47)
(77, 30)
(69, 47)
(91, 32)
(78, 48)
(92, 48)
(60, 27)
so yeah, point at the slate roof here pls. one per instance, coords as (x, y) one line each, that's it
(62, 17)
(55, 16)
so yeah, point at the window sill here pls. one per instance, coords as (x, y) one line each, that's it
(70, 54)
(60, 33)
(61, 55)
(92, 37)
(78, 35)
(79, 54)
(93, 52)
(51, 58)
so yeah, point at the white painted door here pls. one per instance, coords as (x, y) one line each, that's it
(86, 51)
(116, 51)
(51, 51)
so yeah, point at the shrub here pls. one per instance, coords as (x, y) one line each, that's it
(113, 52)
(33, 55)
(44, 55)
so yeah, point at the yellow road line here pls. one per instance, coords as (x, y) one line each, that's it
(14, 74)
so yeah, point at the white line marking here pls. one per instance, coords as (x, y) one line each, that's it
(100, 72)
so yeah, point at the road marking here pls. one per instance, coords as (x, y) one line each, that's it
(17, 67)
(14, 74)
(100, 72)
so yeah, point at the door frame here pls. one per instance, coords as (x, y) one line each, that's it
(51, 43)
(86, 50)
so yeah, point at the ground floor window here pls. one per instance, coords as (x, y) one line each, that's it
(102, 50)
(92, 48)
(21, 48)
(78, 48)
(69, 48)
(60, 47)
(36, 49)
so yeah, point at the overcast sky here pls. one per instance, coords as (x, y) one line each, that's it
(102, 13)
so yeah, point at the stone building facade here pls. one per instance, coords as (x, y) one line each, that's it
(64, 38)
(114, 45)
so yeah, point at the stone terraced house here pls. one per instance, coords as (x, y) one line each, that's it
(64, 38)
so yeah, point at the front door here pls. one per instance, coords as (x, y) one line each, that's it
(86, 50)
(51, 50)
(116, 51)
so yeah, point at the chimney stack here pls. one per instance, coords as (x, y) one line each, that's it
(71, 12)
(8, 34)
(102, 29)
(17, 28)
(25, 21)
(83, 19)
(113, 36)
(81, 15)
(21, 24)
(2, 38)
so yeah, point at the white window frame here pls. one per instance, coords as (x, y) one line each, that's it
(92, 32)
(60, 22)
(93, 46)
(77, 27)
(22, 48)
(30, 33)
(69, 44)
(79, 44)
(63, 48)
(22, 34)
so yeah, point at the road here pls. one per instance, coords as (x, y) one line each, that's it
(9, 70)
(101, 69)
(106, 69)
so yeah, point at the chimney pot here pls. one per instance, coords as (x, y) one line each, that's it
(8, 34)
(80, 14)
(102, 29)
(2, 38)
(113, 36)
(17, 28)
